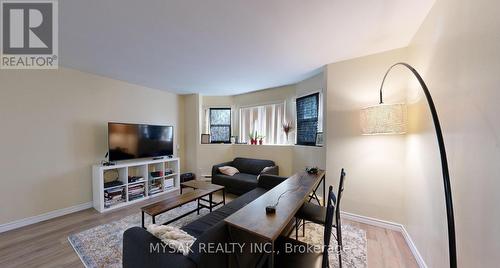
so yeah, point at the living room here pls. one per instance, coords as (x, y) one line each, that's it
(182, 134)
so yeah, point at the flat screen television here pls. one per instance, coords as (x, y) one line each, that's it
(132, 141)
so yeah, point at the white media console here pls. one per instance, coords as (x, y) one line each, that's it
(158, 177)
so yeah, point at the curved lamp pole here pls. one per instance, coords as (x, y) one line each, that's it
(444, 161)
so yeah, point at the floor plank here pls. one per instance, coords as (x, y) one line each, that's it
(46, 244)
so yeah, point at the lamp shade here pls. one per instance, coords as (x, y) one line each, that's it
(384, 119)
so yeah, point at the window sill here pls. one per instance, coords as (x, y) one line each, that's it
(278, 145)
(252, 145)
(224, 144)
(308, 146)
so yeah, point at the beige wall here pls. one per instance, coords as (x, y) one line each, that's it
(374, 164)
(398, 178)
(308, 156)
(211, 154)
(54, 125)
(190, 114)
(457, 52)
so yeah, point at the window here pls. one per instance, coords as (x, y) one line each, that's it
(307, 119)
(264, 120)
(220, 125)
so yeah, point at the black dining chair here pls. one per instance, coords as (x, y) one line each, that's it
(289, 258)
(317, 214)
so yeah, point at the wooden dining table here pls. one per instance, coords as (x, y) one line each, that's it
(254, 220)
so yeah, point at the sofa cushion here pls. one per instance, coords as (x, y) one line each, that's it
(251, 166)
(242, 182)
(244, 199)
(199, 226)
(267, 181)
(216, 235)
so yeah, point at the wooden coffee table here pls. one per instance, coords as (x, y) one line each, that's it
(205, 185)
(201, 189)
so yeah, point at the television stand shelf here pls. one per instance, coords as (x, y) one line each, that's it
(166, 179)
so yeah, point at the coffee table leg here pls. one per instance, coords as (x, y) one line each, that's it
(154, 221)
(224, 196)
(210, 201)
(198, 209)
(142, 219)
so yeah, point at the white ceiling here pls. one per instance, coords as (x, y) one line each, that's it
(228, 46)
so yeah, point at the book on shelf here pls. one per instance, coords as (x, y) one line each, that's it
(155, 191)
(134, 197)
(169, 183)
(114, 196)
(133, 179)
(113, 184)
(136, 187)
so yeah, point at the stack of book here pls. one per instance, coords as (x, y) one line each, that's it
(135, 191)
(113, 196)
(169, 183)
(155, 187)
(132, 179)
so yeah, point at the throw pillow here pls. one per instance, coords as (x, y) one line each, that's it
(228, 170)
(264, 171)
(173, 237)
(267, 169)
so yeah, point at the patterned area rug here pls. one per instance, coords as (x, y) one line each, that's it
(101, 246)
(354, 244)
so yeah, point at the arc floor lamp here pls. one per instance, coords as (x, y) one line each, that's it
(391, 119)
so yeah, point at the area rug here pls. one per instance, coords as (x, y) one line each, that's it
(101, 246)
(354, 252)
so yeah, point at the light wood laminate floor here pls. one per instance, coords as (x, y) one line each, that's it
(45, 244)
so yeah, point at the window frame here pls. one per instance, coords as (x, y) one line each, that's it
(220, 125)
(297, 141)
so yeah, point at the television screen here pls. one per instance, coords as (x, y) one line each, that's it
(131, 141)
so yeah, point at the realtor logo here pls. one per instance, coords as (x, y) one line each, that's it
(29, 34)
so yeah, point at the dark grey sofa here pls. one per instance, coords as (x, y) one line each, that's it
(210, 228)
(246, 180)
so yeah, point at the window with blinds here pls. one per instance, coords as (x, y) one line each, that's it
(307, 119)
(264, 120)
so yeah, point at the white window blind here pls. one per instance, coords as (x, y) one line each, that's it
(266, 120)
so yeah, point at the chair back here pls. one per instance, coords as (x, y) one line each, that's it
(339, 197)
(330, 208)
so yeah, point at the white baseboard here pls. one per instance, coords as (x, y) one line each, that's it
(388, 225)
(371, 221)
(43, 217)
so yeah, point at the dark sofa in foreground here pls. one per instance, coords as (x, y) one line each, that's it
(246, 180)
(211, 228)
